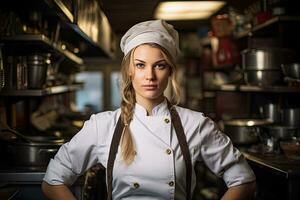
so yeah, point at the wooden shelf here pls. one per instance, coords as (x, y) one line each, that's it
(34, 42)
(42, 92)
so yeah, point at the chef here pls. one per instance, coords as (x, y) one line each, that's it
(149, 146)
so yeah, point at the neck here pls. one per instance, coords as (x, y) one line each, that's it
(150, 104)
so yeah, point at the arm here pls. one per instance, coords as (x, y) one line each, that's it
(240, 192)
(61, 192)
(72, 160)
(227, 162)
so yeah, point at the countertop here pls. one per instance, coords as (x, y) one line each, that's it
(277, 163)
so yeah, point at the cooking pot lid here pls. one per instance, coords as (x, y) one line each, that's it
(247, 122)
(45, 138)
(41, 140)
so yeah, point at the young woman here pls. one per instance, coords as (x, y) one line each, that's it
(149, 146)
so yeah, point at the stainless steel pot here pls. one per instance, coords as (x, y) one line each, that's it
(291, 70)
(244, 131)
(271, 111)
(266, 58)
(263, 77)
(291, 117)
(38, 152)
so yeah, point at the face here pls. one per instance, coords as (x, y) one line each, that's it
(149, 72)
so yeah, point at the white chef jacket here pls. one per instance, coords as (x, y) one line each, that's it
(158, 170)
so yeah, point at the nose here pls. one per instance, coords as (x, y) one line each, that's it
(150, 73)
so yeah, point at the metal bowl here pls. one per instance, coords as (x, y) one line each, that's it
(291, 70)
(263, 77)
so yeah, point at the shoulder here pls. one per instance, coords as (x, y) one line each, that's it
(189, 114)
(106, 115)
(195, 118)
(106, 118)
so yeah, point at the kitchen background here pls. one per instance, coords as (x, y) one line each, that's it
(59, 63)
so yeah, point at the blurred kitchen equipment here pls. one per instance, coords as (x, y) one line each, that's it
(2, 78)
(291, 70)
(270, 111)
(34, 24)
(291, 117)
(263, 77)
(42, 121)
(271, 135)
(15, 69)
(291, 148)
(266, 58)
(37, 71)
(225, 51)
(279, 132)
(36, 153)
(52, 70)
(21, 73)
(278, 10)
(244, 131)
(5, 128)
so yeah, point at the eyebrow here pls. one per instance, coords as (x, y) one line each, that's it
(163, 60)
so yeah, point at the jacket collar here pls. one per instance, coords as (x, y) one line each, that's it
(159, 110)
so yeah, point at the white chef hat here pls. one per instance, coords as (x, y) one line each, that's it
(153, 31)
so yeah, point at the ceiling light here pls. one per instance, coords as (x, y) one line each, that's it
(187, 10)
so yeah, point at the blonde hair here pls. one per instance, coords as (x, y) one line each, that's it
(128, 99)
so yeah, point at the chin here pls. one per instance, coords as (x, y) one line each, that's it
(153, 96)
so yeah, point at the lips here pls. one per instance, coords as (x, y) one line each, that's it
(149, 87)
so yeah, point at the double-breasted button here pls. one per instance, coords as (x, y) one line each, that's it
(136, 185)
(166, 120)
(168, 151)
(171, 183)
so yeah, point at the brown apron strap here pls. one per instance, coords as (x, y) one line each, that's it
(112, 156)
(183, 146)
(182, 143)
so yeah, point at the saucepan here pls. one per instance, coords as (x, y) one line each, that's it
(28, 150)
(38, 152)
(244, 131)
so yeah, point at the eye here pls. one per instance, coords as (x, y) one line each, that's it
(139, 65)
(161, 66)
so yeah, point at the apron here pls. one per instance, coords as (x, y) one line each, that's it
(182, 143)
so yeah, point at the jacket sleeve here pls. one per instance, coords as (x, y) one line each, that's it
(74, 157)
(221, 157)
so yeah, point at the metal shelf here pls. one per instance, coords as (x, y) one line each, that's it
(251, 88)
(37, 42)
(42, 92)
(268, 23)
(91, 48)
(63, 9)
